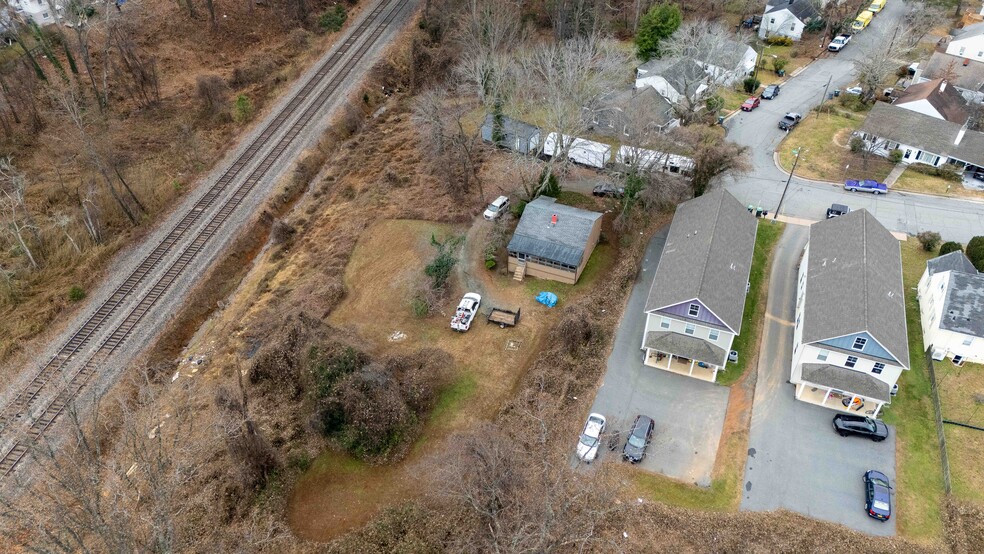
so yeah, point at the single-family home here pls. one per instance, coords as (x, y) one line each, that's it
(951, 307)
(968, 43)
(553, 241)
(787, 18)
(697, 299)
(512, 134)
(672, 79)
(921, 138)
(849, 337)
(634, 112)
(965, 75)
(935, 99)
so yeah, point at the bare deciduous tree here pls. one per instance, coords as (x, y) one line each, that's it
(17, 220)
(879, 57)
(452, 150)
(712, 156)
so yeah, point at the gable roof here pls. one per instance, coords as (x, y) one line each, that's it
(564, 242)
(963, 308)
(802, 9)
(925, 132)
(643, 102)
(854, 283)
(969, 31)
(968, 77)
(511, 127)
(945, 99)
(707, 256)
(954, 261)
(684, 76)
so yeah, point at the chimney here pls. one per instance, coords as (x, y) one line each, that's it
(960, 134)
(942, 86)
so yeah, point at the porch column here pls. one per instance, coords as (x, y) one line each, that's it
(691, 368)
(799, 390)
(669, 360)
(877, 409)
(715, 378)
(825, 397)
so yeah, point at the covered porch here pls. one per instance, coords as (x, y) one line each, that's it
(683, 355)
(842, 389)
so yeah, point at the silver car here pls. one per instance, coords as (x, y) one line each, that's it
(587, 444)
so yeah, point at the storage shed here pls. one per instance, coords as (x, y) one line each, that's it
(553, 241)
(516, 135)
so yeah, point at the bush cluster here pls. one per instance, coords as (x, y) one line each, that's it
(779, 40)
(750, 84)
(975, 252)
(929, 240)
(332, 20)
(950, 246)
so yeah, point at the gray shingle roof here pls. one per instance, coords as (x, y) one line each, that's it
(564, 242)
(847, 380)
(969, 31)
(854, 283)
(511, 128)
(954, 261)
(969, 77)
(617, 107)
(707, 256)
(963, 309)
(804, 10)
(925, 132)
(686, 346)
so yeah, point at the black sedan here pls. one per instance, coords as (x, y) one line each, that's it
(635, 447)
(770, 92)
(877, 495)
(849, 424)
(608, 190)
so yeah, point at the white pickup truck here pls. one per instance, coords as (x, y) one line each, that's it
(839, 42)
(466, 311)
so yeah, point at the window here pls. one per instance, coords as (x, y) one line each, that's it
(851, 361)
(772, 20)
(690, 328)
(44, 15)
(980, 53)
(713, 334)
(694, 310)
(878, 369)
(664, 323)
(793, 26)
(859, 343)
(822, 355)
(960, 53)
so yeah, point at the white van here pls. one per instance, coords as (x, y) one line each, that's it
(496, 208)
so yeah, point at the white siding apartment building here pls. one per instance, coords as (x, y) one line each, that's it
(849, 341)
(951, 306)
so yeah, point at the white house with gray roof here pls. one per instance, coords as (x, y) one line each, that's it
(553, 241)
(697, 298)
(849, 339)
(951, 306)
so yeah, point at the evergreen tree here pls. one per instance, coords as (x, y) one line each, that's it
(661, 21)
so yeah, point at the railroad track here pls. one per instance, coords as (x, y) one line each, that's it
(53, 373)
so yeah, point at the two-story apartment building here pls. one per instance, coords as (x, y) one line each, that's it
(697, 299)
(849, 340)
(951, 306)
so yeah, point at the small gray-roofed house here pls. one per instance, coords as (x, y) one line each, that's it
(553, 241)
(951, 308)
(787, 18)
(921, 138)
(630, 112)
(516, 135)
(697, 299)
(954, 261)
(963, 310)
(854, 284)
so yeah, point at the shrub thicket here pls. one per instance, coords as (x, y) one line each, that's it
(950, 246)
(929, 240)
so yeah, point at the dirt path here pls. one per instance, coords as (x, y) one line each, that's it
(471, 256)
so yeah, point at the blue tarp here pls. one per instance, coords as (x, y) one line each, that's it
(548, 299)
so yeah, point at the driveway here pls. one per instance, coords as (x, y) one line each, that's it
(955, 219)
(795, 460)
(689, 413)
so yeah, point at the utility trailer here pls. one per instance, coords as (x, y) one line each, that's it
(504, 318)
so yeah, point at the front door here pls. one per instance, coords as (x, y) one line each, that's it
(907, 154)
(521, 258)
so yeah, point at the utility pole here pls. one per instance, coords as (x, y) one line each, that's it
(824, 97)
(796, 157)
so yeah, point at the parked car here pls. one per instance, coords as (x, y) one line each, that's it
(466, 311)
(877, 495)
(496, 208)
(770, 92)
(854, 90)
(639, 437)
(587, 444)
(979, 175)
(608, 190)
(839, 42)
(837, 209)
(867, 185)
(850, 424)
(789, 121)
(750, 104)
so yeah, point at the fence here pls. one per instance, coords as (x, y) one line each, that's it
(938, 412)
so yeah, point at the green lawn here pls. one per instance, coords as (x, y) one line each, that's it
(602, 257)
(919, 477)
(723, 494)
(733, 98)
(916, 181)
(825, 155)
(962, 398)
(765, 241)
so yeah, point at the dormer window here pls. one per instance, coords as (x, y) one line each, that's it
(859, 343)
(694, 310)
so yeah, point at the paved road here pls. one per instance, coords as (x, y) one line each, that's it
(795, 460)
(910, 213)
(689, 413)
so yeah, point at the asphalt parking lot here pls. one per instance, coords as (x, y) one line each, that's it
(689, 413)
(795, 459)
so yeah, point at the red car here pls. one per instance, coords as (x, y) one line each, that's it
(750, 104)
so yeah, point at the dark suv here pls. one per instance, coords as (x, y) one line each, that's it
(638, 441)
(850, 424)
